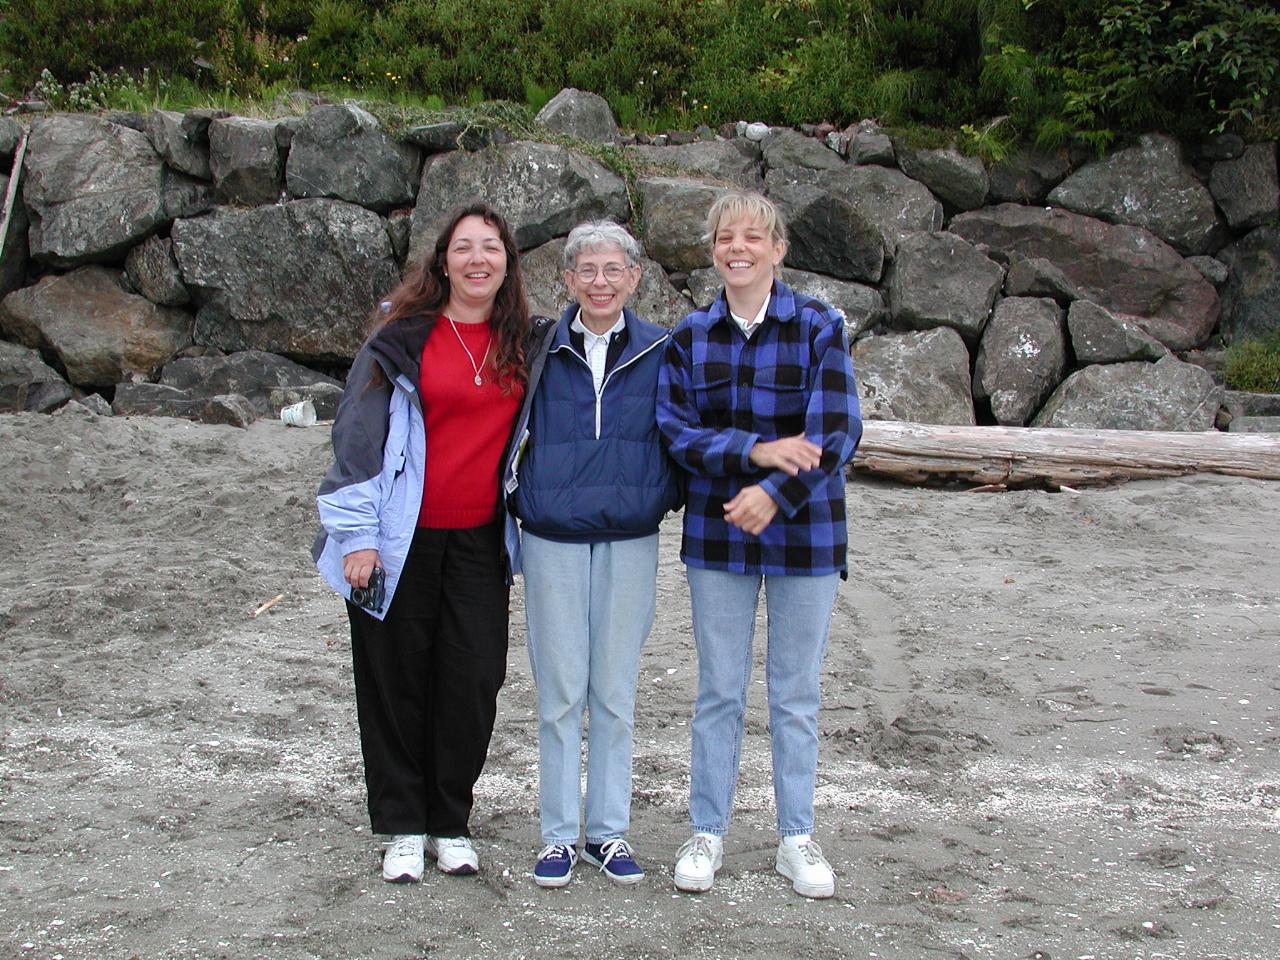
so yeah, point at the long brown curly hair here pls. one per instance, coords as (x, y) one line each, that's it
(424, 292)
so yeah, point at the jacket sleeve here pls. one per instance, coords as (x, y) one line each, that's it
(708, 451)
(350, 494)
(833, 420)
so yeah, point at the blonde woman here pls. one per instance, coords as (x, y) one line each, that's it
(756, 401)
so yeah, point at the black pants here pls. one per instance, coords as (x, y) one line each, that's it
(427, 680)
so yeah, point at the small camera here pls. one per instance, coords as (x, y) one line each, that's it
(372, 596)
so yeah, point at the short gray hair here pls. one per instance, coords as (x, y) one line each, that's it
(595, 234)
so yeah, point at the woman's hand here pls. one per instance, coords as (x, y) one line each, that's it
(751, 510)
(357, 566)
(791, 455)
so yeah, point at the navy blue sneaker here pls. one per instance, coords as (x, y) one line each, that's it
(614, 859)
(555, 865)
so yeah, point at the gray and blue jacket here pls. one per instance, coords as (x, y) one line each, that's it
(371, 496)
(594, 468)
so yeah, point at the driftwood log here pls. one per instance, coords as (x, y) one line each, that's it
(1002, 457)
(10, 200)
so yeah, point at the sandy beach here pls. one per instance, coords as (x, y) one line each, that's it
(1050, 730)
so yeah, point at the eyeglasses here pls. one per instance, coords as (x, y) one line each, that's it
(613, 272)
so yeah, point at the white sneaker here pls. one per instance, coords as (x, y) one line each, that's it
(800, 860)
(697, 862)
(403, 863)
(454, 855)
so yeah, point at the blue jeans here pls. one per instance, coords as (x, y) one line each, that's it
(589, 610)
(724, 616)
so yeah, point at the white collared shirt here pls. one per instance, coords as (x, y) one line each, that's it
(595, 346)
(748, 327)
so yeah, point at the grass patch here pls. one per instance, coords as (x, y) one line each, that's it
(1254, 364)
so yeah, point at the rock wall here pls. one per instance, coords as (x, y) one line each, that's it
(211, 266)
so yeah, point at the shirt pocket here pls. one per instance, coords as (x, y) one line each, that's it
(781, 397)
(713, 392)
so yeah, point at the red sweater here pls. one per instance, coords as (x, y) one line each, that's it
(467, 427)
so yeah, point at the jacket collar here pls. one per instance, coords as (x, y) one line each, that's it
(640, 335)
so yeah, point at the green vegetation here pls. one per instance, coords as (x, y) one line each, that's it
(1254, 365)
(988, 73)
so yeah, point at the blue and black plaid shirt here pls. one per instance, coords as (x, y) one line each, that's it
(719, 393)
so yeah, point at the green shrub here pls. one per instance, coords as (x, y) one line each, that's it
(1254, 364)
(1188, 66)
(989, 72)
(71, 38)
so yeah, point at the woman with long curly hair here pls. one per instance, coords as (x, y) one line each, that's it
(421, 545)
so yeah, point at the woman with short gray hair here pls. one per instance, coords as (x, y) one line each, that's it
(593, 484)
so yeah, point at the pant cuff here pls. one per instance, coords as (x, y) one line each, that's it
(714, 831)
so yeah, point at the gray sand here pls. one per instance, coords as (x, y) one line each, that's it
(1050, 730)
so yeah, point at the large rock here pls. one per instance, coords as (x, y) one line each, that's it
(888, 198)
(734, 161)
(826, 234)
(92, 188)
(230, 409)
(1037, 277)
(675, 215)
(325, 397)
(11, 132)
(577, 113)
(442, 136)
(27, 383)
(1100, 336)
(1166, 395)
(1027, 176)
(1251, 296)
(338, 151)
(244, 158)
(1147, 185)
(252, 374)
(961, 182)
(869, 144)
(298, 278)
(183, 144)
(544, 191)
(655, 298)
(920, 377)
(1123, 268)
(940, 279)
(1022, 358)
(1242, 403)
(155, 400)
(785, 147)
(153, 271)
(860, 306)
(13, 247)
(100, 334)
(1248, 189)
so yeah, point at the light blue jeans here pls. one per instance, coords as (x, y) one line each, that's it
(724, 617)
(590, 608)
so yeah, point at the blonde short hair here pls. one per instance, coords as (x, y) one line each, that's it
(749, 204)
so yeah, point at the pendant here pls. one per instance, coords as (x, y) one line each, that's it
(479, 382)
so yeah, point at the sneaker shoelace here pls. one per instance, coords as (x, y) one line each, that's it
(812, 853)
(558, 851)
(404, 846)
(696, 846)
(458, 843)
(614, 848)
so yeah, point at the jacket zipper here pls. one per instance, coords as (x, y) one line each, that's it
(608, 376)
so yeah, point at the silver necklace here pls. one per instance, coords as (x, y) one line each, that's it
(475, 367)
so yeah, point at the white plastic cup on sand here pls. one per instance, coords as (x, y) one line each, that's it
(301, 414)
